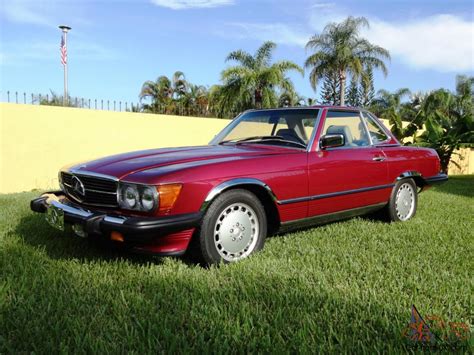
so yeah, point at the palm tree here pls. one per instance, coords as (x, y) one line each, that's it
(252, 83)
(340, 49)
(448, 124)
(163, 91)
(389, 106)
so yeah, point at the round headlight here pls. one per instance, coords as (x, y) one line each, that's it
(130, 197)
(148, 198)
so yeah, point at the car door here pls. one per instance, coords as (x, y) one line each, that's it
(350, 176)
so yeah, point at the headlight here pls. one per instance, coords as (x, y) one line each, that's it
(148, 198)
(138, 197)
(130, 197)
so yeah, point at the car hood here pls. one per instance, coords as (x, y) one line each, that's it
(123, 165)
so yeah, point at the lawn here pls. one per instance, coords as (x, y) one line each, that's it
(342, 287)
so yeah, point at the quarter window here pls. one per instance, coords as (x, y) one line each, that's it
(350, 125)
(376, 132)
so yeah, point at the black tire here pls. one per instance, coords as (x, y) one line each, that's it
(402, 186)
(206, 233)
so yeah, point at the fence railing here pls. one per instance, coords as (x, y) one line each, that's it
(175, 108)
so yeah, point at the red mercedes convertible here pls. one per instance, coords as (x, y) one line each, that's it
(267, 171)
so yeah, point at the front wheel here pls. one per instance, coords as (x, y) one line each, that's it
(233, 227)
(403, 201)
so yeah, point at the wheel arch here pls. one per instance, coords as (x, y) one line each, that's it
(263, 192)
(415, 175)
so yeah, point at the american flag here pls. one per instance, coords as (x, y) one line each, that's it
(63, 51)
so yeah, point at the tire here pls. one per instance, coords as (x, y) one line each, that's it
(403, 201)
(234, 227)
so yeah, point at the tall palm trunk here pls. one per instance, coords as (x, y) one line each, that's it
(342, 85)
(258, 99)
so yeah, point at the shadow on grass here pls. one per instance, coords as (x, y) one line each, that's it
(462, 185)
(34, 230)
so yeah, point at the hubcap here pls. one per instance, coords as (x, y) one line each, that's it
(236, 232)
(405, 201)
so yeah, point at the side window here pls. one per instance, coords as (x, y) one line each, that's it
(376, 132)
(350, 125)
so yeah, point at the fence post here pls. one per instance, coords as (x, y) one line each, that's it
(89, 103)
(8, 96)
(114, 105)
(47, 98)
(16, 96)
(82, 103)
(101, 104)
(126, 108)
(24, 97)
(32, 99)
(39, 98)
(108, 105)
(95, 104)
(120, 106)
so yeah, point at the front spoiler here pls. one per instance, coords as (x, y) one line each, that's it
(135, 230)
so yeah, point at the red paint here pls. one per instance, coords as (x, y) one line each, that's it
(290, 173)
(173, 243)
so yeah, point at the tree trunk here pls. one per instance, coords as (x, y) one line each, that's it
(258, 99)
(342, 85)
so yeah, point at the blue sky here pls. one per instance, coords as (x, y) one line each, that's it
(114, 46)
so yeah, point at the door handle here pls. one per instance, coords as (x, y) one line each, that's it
(378, 158)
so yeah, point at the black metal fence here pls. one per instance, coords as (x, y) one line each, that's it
(176, 108)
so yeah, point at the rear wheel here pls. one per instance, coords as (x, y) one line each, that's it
(233, 227)
(403, 201)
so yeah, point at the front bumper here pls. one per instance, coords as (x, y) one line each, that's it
(135, 230)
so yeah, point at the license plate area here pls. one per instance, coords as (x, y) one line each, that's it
(55, 217)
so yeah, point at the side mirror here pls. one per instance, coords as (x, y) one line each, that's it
(331, 141)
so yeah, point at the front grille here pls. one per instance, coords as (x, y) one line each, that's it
(99, 191)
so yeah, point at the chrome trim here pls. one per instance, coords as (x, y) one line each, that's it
(218, 137)
(74, 171)
(115, 220)
(382, 126)
(217, 190)
(91, 173)
(72, 210)
(364, 123)
(102, 192)
(334, 194)
(78, 211)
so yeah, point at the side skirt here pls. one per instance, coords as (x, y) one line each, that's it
(330, 217)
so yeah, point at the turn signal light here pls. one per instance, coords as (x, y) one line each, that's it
(116, 236)
(168, 195)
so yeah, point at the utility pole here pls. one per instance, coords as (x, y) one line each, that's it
(65, 30)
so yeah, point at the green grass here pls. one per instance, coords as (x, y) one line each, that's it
(346, 286)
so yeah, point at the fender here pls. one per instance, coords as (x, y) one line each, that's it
(416, 176)
(217, 190)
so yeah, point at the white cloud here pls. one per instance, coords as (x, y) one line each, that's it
(191, 4)
(20, 54)
(323, 5)
(276, 32)
(443, 42)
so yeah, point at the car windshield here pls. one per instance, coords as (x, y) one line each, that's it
(287, 127)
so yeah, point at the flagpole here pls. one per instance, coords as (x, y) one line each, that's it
(65, 30)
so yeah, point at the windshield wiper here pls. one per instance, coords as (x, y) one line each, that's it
(263, 139)
(278, 139)
(239, 140)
